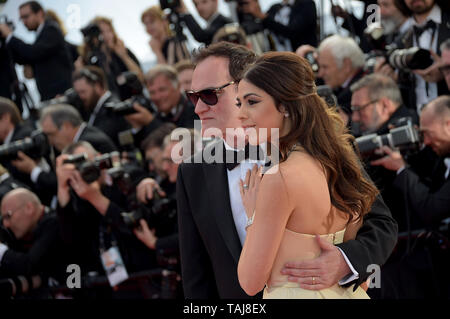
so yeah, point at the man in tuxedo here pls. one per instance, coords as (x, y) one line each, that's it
(48, 55)
(211, 216)
(341, 63)
(292, 23)
(207, 9)
(91, 85)
(445, 67)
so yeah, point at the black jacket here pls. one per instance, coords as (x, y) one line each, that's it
(205, 35)
(302, 26)
(210, 247)
(49, 57)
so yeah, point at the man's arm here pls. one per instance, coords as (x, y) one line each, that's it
(197, 273)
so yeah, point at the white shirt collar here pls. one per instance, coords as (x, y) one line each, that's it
(39, 29)
(8, 137)
(211, 19)
(435, 15)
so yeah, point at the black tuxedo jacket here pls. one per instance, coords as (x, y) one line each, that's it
(109, 122)
(205, 35)
(429, 200)
(50, 59)
(210, 247)
(302, 26)
(344, 95)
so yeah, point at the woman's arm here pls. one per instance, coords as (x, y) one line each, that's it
(265, 234)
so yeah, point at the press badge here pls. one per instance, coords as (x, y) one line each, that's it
(114, 267)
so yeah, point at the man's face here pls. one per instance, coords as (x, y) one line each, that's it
(369, 115)
(164, 93)
(185, 78)
(88, 93)
(206, 8)
(390, 16)
(436, 132)
(29, 19)
(169, 166)
(333, 75)
(446, 66)
(419, 6)
(154, 156)
(16, 216)
(59, 138)
(224, 114)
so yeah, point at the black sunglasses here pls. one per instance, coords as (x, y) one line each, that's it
(208, 96)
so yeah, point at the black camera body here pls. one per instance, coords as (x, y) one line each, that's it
(405, 137)
(90, 171)
(35, 146)
(169, 4)
(4, 20)
(70, 96)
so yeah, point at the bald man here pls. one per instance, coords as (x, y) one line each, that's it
(34, 247)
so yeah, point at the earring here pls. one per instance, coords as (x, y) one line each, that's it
(286, 114)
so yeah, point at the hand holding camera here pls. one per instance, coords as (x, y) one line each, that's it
(63, 173)
(393, 160)
(146, 189)
(140, 118)
(145, 234)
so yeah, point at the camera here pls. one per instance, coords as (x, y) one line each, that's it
(326, 93)
(4, 20)
(312, 61)
(169, 4)
(92, 32)
(405, 137)
(70, 96)
(403, 59)
(35, 146)
(90, 171)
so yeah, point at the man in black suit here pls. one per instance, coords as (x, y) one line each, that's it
(48, 55)
(211, 217)
(91, 85)
(207, 9)
(36, 247)
(341, 63)
(292, 22)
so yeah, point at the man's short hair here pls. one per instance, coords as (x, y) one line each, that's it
(379, 86)
(92, 74)
(162, 69)
(34, 6)
(342, 48)
(182, 65)
(9, 107)
(239, 56)
(156, 138)
(62, 113)
(70, 149)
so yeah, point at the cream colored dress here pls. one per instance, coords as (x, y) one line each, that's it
(297, 247)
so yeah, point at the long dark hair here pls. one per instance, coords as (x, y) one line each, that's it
(289, 79)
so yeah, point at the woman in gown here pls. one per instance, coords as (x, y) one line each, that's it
(316, 189)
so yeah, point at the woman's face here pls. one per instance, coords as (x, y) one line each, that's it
(154, 27)
(258, 114)
(107, 33)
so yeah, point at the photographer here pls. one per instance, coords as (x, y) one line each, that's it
(376, 106)
(292, 23)
(90, 213)
(92, 88)
(430, 27)
(207, 9)
(445, 62)
(48, 55)
(35, 246)
(164, 44)
(423, 269)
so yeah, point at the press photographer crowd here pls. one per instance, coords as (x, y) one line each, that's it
(87, 177)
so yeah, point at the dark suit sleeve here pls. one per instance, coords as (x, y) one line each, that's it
(196, 269)
(374, 241)
(203, 35)
(430, 207)
(15, 263)
(48, 43)
(301, 20)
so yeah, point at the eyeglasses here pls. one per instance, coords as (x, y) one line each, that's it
(9, 213)
(355, 108)
(208, 96)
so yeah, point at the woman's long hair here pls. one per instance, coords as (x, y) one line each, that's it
(289, 79)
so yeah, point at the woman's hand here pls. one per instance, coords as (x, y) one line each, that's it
(249, 189)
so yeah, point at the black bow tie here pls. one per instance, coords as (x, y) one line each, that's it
(233, 158)
(419, 30)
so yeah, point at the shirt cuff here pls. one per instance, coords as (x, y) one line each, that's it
(350, 277)
(3, 249)
(35, 174)
(401, 169)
